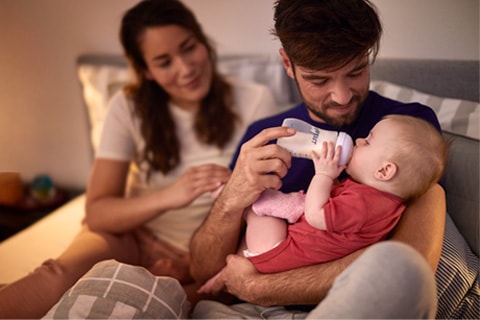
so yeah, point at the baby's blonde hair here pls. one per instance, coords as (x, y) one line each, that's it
(420, 152)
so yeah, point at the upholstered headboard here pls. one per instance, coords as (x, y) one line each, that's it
(446, 78)
(426, 75)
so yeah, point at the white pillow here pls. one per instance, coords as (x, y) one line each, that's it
(455, 116)
(99, 83)
(264, 69)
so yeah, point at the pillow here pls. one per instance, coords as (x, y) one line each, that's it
(105, 292)
(458, 288)
(264, 69)
(456, 116)
(99, 83)
(461, 180)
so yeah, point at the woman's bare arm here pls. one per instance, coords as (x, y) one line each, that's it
(107, 208)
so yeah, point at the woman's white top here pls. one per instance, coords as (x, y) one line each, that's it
(122, 140)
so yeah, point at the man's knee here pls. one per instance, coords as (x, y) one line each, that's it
(407, 263)
(389, 280)
(405, 275)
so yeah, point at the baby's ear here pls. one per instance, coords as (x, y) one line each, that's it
(387, 171)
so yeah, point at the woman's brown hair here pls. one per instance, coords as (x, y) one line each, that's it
(215, 121)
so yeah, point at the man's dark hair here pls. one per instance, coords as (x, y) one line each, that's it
(327, 34)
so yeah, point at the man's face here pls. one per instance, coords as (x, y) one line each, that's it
(334, 97)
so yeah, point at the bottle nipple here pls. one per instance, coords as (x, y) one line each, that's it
(346, 142)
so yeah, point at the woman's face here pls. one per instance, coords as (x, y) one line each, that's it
(179, 63)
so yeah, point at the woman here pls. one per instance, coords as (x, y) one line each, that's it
(167, 142)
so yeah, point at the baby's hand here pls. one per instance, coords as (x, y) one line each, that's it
(326, 160)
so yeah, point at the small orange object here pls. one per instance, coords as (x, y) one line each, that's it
(11, 188)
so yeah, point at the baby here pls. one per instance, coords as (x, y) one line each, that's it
(399, 160)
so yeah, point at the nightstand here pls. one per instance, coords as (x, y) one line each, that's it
(16, 218)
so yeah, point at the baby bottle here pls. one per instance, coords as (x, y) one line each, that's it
(308, 138)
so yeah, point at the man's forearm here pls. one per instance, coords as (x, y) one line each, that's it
(216, 238)
(308, 285)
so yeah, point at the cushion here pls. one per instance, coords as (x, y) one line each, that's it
(113, 290)
(456, 116)
(99, 83)
(265, 69)
(461, 180)
(458, 288)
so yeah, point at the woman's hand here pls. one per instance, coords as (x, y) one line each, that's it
(195, 181)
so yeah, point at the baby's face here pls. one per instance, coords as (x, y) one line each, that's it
(370, 152)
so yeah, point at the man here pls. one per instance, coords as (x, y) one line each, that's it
(327, 47)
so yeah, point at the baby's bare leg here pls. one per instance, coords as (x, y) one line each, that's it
(263, 232)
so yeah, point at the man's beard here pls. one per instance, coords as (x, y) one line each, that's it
(341, 121)
(337, 122)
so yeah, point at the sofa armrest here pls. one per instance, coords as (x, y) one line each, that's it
(461, 182)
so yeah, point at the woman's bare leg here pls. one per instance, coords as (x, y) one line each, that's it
(33, 295)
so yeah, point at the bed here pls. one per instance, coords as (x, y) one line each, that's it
(451, 88)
